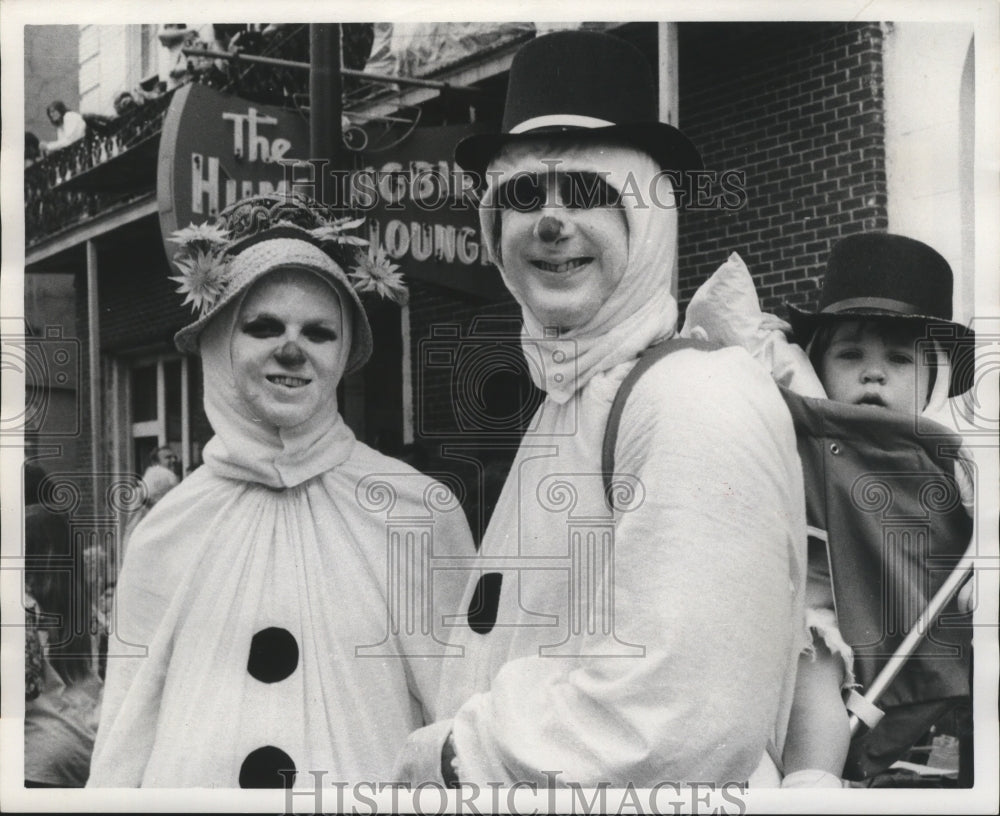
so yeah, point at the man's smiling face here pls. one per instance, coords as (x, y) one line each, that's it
(564, 250)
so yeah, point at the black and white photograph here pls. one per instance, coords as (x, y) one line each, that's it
(530, 408)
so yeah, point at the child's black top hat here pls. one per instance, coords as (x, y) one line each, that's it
(881, 276)
(593, 84)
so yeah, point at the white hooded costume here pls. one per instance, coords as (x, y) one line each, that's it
(656, 643)
(265, 590)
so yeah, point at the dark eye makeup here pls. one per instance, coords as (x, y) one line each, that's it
(527, 192)
(319, 333)
(264, 326)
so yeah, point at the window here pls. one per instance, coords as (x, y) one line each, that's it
(158, 411)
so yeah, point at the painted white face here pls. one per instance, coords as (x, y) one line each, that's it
(868, 365)
(564, 243)
(288, 348)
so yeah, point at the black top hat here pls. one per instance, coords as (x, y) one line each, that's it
(881, 276)
(587, 82)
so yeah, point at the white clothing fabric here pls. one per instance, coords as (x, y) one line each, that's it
(659, 642)
(159, 480)
(725, 310)
(304, 530)
(72, 129)
(218, 560)
(707, 578)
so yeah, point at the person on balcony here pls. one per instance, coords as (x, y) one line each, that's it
(175, 37)
(70, 127)
(32, 148)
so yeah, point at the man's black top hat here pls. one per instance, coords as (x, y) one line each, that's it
(881, 276)
(594, 84)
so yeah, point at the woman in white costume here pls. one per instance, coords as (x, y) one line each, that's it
(261, 586)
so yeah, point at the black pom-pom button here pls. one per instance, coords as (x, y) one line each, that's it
(274, 655)
(260, 769)
(485, 602)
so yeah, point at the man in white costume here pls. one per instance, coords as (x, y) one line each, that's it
(655, 641)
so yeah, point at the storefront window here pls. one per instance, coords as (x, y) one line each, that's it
(159, 402)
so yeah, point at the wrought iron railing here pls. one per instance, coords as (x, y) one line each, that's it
(52, 203)
(56, 198)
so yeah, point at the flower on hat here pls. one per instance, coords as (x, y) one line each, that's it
(375, 273)
(203, 271)
(335, 232)
(203, 258)
(202, 279)
(211, 234)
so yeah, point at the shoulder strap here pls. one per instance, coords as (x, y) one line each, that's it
(647, 358)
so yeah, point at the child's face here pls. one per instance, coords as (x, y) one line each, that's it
(868, 364)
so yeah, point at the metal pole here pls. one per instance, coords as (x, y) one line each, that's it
(94, 370)
(666, 35)
(325, 103)
(918, 631)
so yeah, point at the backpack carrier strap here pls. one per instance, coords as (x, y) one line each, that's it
(647, 359)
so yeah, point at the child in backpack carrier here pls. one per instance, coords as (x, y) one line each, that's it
(882, 339)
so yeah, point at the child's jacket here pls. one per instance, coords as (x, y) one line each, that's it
(880, 488)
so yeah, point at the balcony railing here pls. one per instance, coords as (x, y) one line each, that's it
(63, 188)
(116, 161)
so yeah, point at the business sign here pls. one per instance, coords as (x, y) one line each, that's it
(216, 149)
(422, 209)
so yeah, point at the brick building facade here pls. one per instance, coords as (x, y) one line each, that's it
(799, 110)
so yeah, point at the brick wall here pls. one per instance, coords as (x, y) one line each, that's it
(798, 108)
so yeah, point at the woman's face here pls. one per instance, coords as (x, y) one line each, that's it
(563, 243)
(288, 348)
